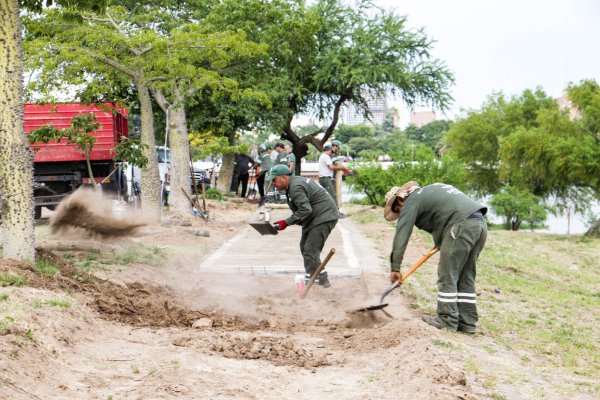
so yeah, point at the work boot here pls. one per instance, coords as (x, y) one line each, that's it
(434, 321)
(468, 330)
(306, 279)
(323, 280)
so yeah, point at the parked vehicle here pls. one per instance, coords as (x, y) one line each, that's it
(59, 167)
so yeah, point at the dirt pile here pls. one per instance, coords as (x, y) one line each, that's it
(134, 303)
(85, 211)
(273, 349)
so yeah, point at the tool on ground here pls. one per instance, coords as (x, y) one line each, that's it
(202, 212)
(195, 205)
(263, 225)
(398, 282)
(318, 271)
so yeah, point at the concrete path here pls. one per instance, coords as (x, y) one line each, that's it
(250, 253)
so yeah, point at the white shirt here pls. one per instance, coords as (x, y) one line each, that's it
(324, 163)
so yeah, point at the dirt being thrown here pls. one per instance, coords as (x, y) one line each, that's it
(86, 210)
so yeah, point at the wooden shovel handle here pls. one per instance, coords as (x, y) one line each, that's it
(318, 271)
(419, 263)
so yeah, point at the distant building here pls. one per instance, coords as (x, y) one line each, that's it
(565, 104)
(378, 106)
(421, 118)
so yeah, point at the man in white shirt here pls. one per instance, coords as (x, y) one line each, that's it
(326, 168)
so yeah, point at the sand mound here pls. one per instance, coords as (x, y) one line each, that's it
(85, 211)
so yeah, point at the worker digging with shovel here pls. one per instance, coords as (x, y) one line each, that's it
(312, 208)
(458, 229)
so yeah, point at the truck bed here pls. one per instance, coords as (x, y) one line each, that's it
(114, 125)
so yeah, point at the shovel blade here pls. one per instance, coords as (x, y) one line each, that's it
(372, 308)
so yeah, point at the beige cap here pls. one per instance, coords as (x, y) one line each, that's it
(397, 192)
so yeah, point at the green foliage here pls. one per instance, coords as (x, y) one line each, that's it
(82, 125)
(214, 193)
(59, 303)
(3, 296)
(45, 268)
(518, 206)
(131, 151)
(373, 181)
(7, 279)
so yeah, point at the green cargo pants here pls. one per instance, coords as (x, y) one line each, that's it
(457, 297)
(312, 243)
(327, 184)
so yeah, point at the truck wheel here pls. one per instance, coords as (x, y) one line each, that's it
(37, 212)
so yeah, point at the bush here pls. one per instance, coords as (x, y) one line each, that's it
(214, 194)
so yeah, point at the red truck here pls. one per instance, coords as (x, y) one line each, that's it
(60, 168)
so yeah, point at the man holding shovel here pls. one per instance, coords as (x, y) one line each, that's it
(312, 208)
(456, 223)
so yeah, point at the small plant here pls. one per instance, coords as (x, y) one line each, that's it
(45, 268)
(3, 296)
(59, 303)
(11, 280)
(214, 194)
(29, 335)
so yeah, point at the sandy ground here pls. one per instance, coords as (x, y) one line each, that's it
(182, 331)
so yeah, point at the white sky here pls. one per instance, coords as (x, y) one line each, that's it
(507, 45)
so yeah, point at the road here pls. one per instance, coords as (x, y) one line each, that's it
(250, 253)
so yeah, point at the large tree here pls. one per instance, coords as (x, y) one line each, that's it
(528, 145)
(16, 169)
(163, 50)
(328, 54)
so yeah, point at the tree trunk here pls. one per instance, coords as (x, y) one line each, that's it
(226, 172)
(151, 195)
(180, 159)
(594, 230)
(16, 160)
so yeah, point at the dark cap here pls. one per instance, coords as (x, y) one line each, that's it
(279, 144)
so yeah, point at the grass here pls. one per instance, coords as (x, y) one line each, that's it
(135, 254)
(45, 268)
(12, 280)
(538, 293)
(59, 303)
(3, 296)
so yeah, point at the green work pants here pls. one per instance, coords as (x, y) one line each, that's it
(457, 297)
(327, 184)
(312, 243)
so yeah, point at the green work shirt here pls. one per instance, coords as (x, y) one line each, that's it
(434, 208)
(282, 158)
(311, 205)
(266, 162)
(292, 160)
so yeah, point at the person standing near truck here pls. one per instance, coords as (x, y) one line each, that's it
(312, 208)
(458, 229)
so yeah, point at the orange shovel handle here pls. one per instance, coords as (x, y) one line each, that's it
(419, 263)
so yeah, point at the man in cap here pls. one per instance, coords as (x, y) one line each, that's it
(265, 161)
(282, 155)
(336, 146)
(458, 229)
(326, 168)
(312, 208)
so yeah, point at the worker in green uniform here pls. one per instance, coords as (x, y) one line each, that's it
(312, 208)
(282, 155)
(291, 158)
(265, 162)
(458, 229)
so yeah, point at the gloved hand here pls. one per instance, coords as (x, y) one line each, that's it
(396, 276)
(280, 225)
(346, 171)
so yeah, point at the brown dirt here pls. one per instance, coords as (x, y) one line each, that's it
(168, 332)
(87, 212)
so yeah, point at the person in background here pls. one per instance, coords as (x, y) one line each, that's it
(265, 162)
(312, 208)
(244, 163)
(336, 156)
(282, 155)
(458, 229)
(326, 171)
(291, 159)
